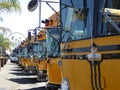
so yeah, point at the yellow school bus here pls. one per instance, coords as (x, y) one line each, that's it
(41, 54)
(22, 54)
(19, 54)
(53, 51)
(30, 59)
(90, 49)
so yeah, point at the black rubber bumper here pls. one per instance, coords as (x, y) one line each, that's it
(53, 86)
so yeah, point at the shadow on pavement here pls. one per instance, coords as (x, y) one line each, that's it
(21, 78)
(19, 73)
(38, 88)
(24, 80)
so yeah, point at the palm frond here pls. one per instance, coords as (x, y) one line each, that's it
(5, 42)
(5, 29)
(10, 6)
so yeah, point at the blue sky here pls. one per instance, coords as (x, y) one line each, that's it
(22, 22)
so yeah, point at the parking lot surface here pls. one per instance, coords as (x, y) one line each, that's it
(12, 78)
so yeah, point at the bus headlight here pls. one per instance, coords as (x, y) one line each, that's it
(65, 84)
(40, 72)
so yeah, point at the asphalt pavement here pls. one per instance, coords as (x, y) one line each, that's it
(12, 78)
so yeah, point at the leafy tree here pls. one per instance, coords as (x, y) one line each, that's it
(7, 6)
(4, 42)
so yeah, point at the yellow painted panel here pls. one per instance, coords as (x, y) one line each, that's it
(54, 71)
(110, 70)
(42, 65)
(78, 74)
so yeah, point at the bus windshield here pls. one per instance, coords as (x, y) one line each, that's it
(42, 49)
(75, 24)
(52, 42)
(19, 52)
(35, 49)
(24, 52)
(30, 50)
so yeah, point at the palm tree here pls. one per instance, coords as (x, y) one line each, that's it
(5, 31)
(5, 42)
(7, 6)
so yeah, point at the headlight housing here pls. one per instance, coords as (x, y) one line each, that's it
(94, 55)
(40, 72)
(65, 84)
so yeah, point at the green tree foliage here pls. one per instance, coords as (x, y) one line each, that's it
(7, 6)
(5, 42)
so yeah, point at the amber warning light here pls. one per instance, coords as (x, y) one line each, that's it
(47, 22)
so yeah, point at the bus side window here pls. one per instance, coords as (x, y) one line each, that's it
(111, 30)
